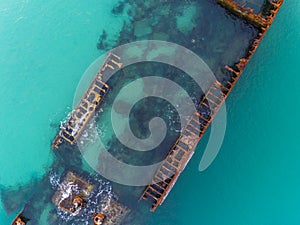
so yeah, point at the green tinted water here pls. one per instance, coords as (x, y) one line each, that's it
(45, 48)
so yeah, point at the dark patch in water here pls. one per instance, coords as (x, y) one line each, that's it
(13, 198)
(119, 8)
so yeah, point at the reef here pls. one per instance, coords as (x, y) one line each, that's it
(223, 33)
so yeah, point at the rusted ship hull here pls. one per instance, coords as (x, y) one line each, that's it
(20, 220)
(183, 149)
(88, 104)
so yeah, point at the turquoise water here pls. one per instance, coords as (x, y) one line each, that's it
(45, 48)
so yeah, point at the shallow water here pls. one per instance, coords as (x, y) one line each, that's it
(45, 49)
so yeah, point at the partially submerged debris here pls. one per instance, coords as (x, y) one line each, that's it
(72, 194)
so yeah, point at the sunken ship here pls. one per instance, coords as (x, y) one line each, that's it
(75, 193)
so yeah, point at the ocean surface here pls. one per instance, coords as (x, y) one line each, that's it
(45, 47)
